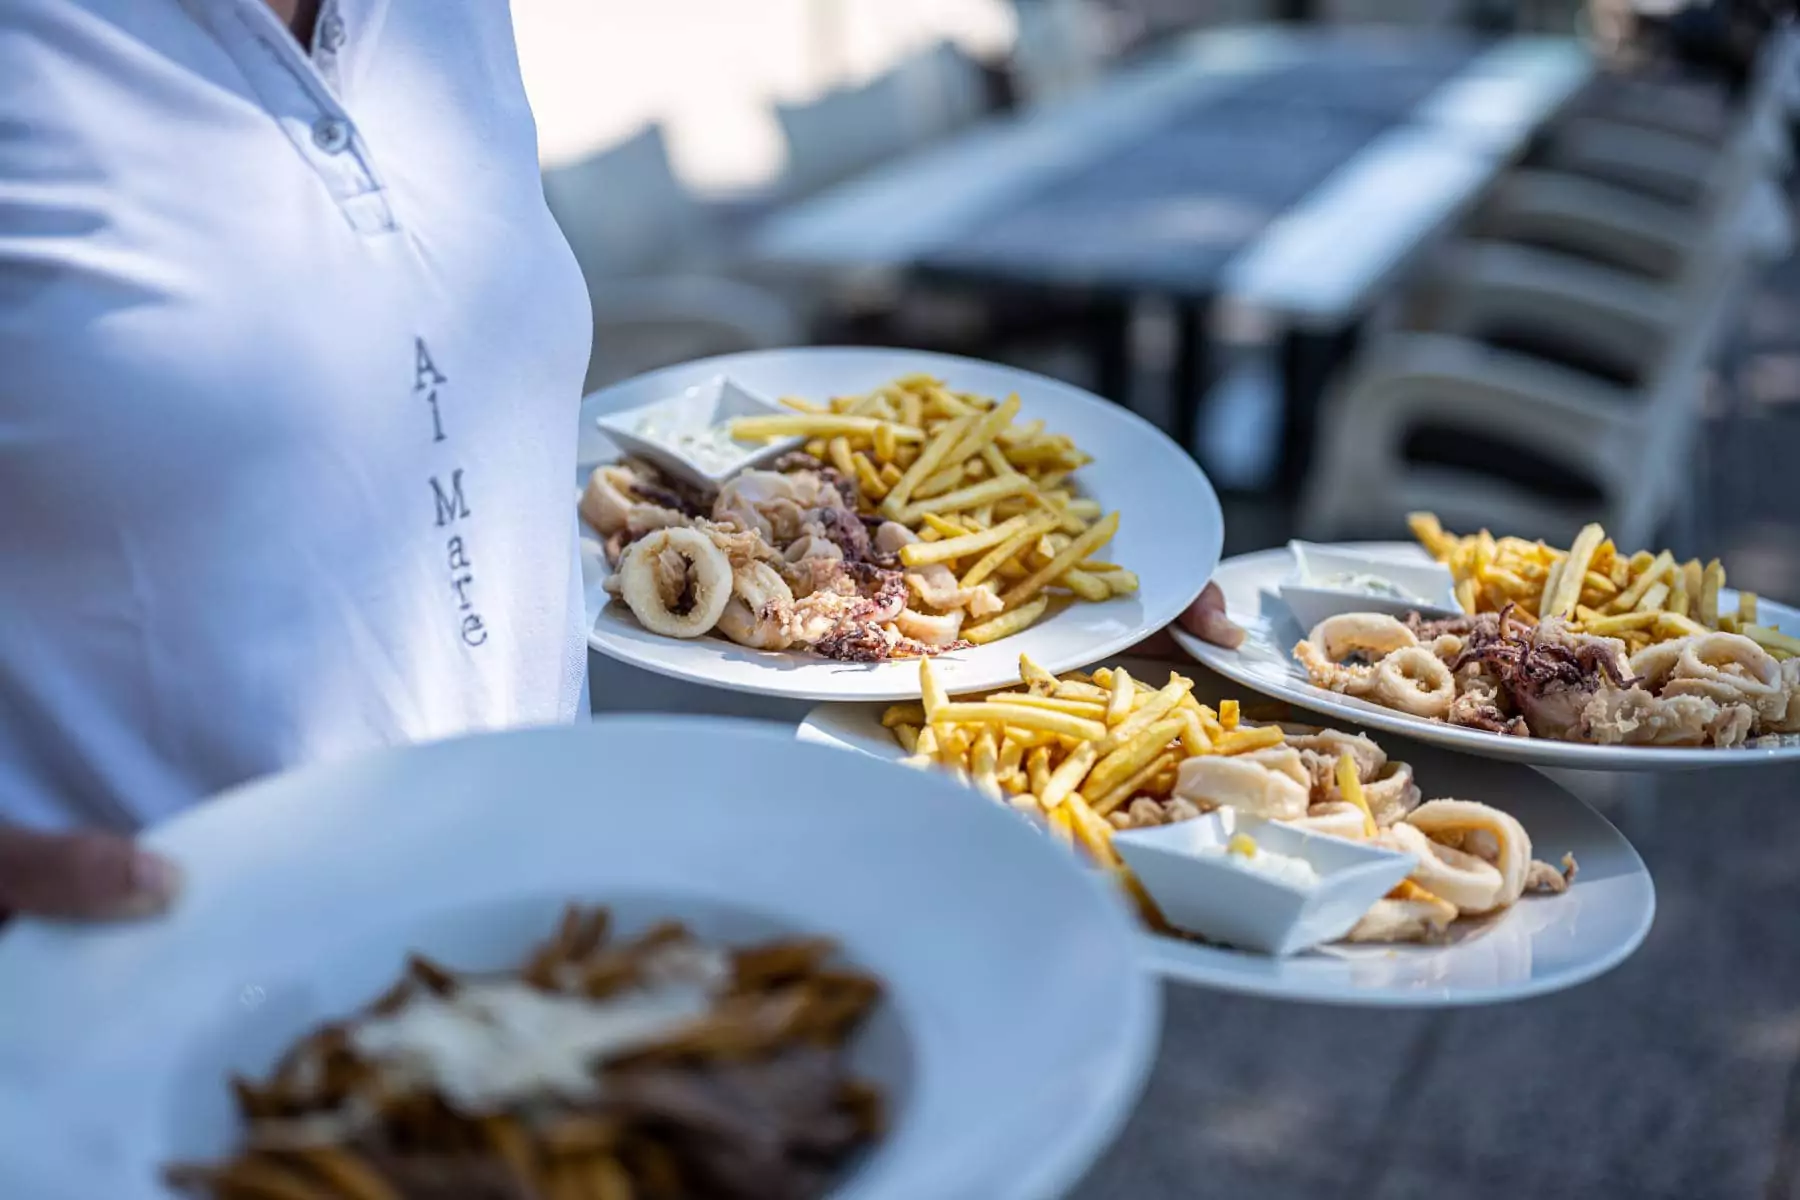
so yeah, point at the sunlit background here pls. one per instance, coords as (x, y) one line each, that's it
(712, 71)
(1272, 226)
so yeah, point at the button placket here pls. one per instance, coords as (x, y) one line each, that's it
(331, 134)
(328, 39)
(294, 90)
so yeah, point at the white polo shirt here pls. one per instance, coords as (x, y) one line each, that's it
(290, 359)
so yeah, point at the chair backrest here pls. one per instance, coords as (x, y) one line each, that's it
(850, 129)
(846, 131)
(1426, 393)
(946, 90)
(624, 211)
(1059, 49)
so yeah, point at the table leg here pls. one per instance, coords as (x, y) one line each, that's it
(1308, 363)
(1110, 342)
(1193, 373)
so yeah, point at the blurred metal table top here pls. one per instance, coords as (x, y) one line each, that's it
(1284, 173)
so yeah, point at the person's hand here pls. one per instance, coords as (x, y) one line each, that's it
(1205, 619)
(85, 876)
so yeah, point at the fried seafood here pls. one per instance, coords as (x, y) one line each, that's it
(1272, 784)
(760, 613)
(1342, 652)
(1502, 673)
(1417, 916)
(1093, 755)
(1339, 819)
(958, 525)
(1545, 879)
(1643, 598)
(1469, 882)
(1483, 833)
(677, 582)
(1414, 680)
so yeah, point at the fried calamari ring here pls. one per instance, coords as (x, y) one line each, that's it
(1341, 653)
(1272, 783)
(760, 610)
(676, 582)
(1413, 680)
(1729, 668)
(606, 502)
(1339, 818)
(1487, 833)
(1471, 883)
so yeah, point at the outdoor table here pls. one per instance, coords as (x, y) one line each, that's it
(1270, 182)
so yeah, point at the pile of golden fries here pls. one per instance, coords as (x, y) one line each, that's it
(1074, 749)
(1641, 598)
(988, 496)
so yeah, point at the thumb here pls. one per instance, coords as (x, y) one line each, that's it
(88, 876)
(1206, 620)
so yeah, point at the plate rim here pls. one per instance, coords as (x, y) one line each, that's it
(1541, 752)
(907, 686)
(1167, 957)
(1127, 1052)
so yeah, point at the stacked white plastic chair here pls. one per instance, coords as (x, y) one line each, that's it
(654, 264)
(1635, 291)
(850, 129)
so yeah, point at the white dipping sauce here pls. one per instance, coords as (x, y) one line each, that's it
(712, 448)
(1283, 868)
(1363, 584)
(497, 1042)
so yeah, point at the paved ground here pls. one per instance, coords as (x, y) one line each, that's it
(1677, 1076)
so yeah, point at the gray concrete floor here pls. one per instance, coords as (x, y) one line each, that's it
(1677, 1076)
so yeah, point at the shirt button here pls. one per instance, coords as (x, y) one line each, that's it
(331, 34)
(331, 134)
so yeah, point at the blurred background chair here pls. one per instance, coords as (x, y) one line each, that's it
(850, 129)
(1061, 48)
(657, 262)
(1542, 393)
(1552, 369)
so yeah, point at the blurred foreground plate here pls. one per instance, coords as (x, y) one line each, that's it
(1542, 944)
(1265, 662)
(1170, 528)
(1016, 1034)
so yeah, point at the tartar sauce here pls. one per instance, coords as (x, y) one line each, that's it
(1244, 854)
(712, 448)
(1368, 585)
(497, 1042)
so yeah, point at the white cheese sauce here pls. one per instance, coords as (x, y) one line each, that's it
(497, 1042)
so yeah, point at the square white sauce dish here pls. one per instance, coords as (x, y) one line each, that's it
(1330, 580)
(1294, 891)
(689, 434)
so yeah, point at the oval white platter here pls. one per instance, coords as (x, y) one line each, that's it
(1265, 663)
(1170, 528)
(305, 892)
(1543, 944)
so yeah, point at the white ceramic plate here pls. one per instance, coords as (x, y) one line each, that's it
(1543, 944)
(1266, 663)
(306, 891)
(1170, 529)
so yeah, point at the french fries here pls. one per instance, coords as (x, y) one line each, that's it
(1639, 598)
(1077, 751)
(989, 497)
